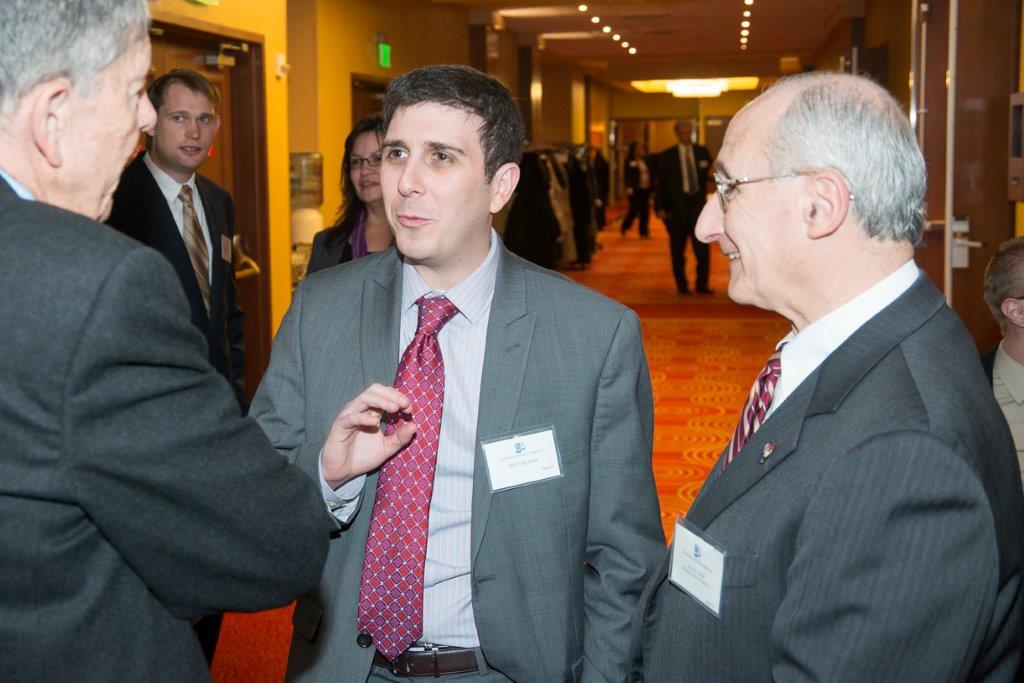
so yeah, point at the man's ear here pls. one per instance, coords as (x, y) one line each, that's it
(47, 107)
(503, 184)
(1013, 310)
(828, 206)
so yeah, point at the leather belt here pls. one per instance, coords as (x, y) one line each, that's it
(429, 660)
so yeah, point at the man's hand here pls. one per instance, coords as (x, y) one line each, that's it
(356, 443)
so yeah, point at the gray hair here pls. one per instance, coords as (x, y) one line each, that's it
(851, 125)
(76, 39)
(1004, 277)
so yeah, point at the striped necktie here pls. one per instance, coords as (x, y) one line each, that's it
(195, 243)
(758, 403)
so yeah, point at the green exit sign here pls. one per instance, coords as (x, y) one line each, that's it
(384, 55)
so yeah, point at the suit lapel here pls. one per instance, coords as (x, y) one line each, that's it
(381, 310)
(821, 393)
(509, 333)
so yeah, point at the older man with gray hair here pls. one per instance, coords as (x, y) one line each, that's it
(865, 521)
(133, 494)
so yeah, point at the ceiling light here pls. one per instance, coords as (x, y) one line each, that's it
(745, 24)
(744, 32)
(746, 13)
(701, 87)
(625, 43)
(616, 37)
(595, 20)
(582, 8)
(632, 50)
(743, 40)
(606, 29)
(748, 2)
(743, 47)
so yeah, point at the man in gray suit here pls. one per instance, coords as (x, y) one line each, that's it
(133, 495)
(532, 414)
(865, 521)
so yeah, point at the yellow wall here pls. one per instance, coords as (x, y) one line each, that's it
(889, 22)
(556, 122)
(267, 18)
(636, 105)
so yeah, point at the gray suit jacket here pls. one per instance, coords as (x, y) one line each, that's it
(557, 566)
(881, 538)
(132, 493)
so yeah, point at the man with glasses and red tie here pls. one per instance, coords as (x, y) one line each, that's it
(865, 521)
(510, 535)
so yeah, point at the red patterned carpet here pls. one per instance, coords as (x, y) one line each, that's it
(704, 353)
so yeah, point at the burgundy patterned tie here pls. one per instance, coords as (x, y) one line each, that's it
(391, 593)
(758, 403)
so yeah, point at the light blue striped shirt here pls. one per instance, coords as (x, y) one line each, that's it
(447, 595)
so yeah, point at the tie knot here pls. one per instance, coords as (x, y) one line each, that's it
(434, 314)
(185, 194)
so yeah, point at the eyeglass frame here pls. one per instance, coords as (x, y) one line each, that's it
(373, 161)
(722, 186)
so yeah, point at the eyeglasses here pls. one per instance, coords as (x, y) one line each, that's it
(356, 163)
(725, 187)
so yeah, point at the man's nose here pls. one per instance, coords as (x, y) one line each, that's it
(709, 224)
(146, 116)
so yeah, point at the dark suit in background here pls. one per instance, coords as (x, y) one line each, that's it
(133, 494)
(682, 211)
(141, 211)
(896, 446)
(639, 197)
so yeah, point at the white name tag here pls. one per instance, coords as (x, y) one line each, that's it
(522, 459)
(697, 567)
(225, 248)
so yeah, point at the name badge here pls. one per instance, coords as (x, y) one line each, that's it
(522, 459)
(697, 566)
(225, 248)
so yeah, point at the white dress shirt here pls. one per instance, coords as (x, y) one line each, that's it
(1008, 387)
(806, 350)
(170, 189)
(18, 188)
(447, 596)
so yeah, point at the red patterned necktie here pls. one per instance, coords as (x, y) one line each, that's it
(758, 403)
(391, 592)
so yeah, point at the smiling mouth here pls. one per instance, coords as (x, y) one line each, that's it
(191, 150)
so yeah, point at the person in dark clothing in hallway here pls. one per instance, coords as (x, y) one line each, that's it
(602, 173)
(682, 183)
(361, 227)
(638, 177)
(582, 192)
(164, 203)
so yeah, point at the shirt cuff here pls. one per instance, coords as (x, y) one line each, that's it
(342, 502)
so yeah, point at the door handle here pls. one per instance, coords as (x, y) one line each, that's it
(246, 266)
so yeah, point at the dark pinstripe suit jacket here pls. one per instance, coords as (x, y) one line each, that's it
(881, 540)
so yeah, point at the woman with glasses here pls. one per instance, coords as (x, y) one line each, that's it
(361, 227)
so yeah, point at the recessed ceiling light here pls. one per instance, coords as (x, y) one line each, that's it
(632, 50)
(745, 24)
(746, 13)
(743, 41)
(606, 29)
(616, 37)
(744, 32)
(595, 20)
(625, 43)
(748, 2)
(743, 47)
(582, 8)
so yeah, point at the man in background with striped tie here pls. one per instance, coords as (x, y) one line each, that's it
(164, 203)
(865, 520)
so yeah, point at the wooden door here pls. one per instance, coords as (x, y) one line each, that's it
(976, 80)
(236, 162)
(367, 97)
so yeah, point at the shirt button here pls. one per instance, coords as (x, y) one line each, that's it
(364, 640)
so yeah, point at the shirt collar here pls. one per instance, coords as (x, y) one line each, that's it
(18, 188)
(1010, 372)
(472, 295)
(169, 187)
(806, 350)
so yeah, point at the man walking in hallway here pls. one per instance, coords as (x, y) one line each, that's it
(512, 537)
(866, 520)
(679, 197)
(133, 494)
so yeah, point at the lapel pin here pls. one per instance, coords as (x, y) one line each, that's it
(766, 452)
